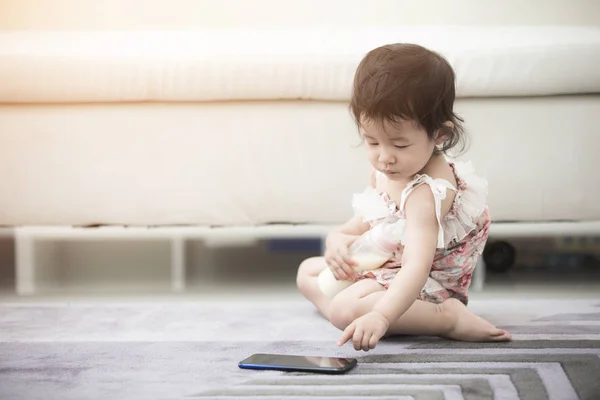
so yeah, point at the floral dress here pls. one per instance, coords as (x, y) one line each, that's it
(461, 238)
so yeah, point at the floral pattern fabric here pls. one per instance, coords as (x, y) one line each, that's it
(463, 232)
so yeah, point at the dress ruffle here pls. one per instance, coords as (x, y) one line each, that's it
(469, 204)
(371, 206)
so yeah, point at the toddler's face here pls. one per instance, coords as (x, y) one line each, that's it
(400, 149)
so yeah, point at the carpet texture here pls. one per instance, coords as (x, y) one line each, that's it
(187, 350)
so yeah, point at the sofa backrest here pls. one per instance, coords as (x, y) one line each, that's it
(191, 14)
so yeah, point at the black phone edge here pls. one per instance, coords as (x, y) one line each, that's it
(320, 370)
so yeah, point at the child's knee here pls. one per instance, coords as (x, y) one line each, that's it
(342, 312)
(301, 277)
(308, 269)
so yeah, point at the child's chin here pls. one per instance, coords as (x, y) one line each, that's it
(395, 177)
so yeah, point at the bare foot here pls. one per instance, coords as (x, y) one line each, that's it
(470, 327)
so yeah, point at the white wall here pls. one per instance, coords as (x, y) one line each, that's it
(190, 14)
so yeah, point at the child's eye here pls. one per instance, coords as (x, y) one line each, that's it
(401, 147)
(372, 143)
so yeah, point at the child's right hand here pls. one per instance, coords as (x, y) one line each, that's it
(337, 257)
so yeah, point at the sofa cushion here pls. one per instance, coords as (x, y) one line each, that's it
(316, 64)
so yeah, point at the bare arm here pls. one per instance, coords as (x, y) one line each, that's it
(337, 244)
(419, 250)
(338, 241)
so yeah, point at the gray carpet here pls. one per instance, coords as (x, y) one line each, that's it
(186, 350)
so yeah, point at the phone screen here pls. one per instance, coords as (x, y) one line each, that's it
(298, 363)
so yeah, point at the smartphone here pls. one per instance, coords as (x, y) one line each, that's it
(281, 362)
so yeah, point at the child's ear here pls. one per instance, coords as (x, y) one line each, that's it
(442, 134)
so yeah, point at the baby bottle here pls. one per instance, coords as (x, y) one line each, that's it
(370, 251)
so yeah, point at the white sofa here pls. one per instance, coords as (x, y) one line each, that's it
(244, 127)
(249, 127)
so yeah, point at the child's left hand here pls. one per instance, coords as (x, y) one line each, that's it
(365, 331)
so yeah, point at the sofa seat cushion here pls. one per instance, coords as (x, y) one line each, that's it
(316, 64)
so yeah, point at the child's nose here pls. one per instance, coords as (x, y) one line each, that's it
(386, 157)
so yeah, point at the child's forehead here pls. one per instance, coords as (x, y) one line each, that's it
(391, 129)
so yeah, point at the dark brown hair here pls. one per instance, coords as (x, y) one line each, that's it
(408, 82)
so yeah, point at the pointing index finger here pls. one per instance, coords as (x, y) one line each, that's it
(347, 335)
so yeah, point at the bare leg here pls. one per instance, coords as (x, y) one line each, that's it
(450, 319)
(308, 273)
